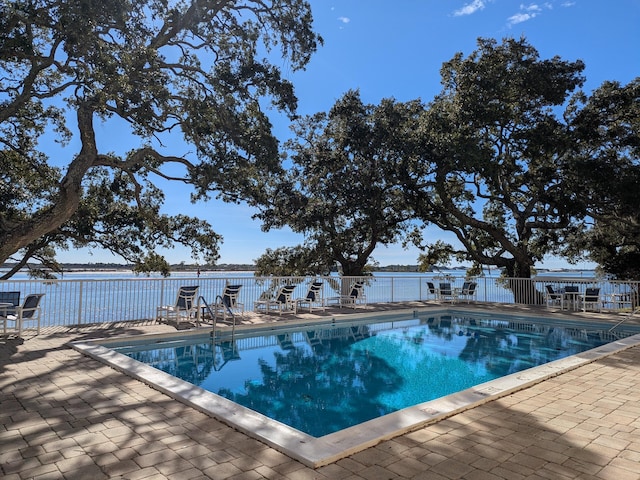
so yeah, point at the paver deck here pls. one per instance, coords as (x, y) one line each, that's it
(63, 415)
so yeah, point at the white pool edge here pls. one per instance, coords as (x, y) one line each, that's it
(316, 452)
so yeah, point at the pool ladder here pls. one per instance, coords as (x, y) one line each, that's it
(214, 315)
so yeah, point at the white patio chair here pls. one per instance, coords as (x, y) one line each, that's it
(445, 292)
(355, 297)
(552, 297)
(280, 302)
(591, 300)
(29, 312)
(468, 291)
(228, 303)
(185, 307)
(312, 298)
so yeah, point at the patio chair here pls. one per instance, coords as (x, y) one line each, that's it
(591, 298)
(312, 298)
(227, 303)
(552, 297)
(30, 311)
(467, 291)
(355, 297)
(185, 308)
(281, 301)
(8, 303)
(432, 290)
(445, 292)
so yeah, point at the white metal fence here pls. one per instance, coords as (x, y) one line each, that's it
(84, 302)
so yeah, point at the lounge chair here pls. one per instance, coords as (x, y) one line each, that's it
(432, 290)
(313, 298)
(591, 298)
(227, 303)
(467, 291)
(30, 311)
(552, 297)
(281, 301)
(185, 308)
(356, 296)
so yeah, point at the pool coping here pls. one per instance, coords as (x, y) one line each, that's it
(316, 452)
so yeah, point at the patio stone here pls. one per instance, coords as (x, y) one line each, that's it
(64, 415)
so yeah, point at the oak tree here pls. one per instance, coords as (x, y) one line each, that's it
(491, 171)
(342, 190)
(201, 71)
(606, 176)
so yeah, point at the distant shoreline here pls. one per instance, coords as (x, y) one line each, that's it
(100, 270)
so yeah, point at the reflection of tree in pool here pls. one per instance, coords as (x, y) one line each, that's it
(318, 394)
(504, 351)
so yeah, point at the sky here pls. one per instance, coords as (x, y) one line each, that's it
(395, 50)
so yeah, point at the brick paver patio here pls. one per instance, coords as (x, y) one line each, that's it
(63, 415)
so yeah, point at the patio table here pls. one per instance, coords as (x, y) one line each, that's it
(570, 298)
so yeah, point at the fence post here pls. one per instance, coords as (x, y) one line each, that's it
(485, 290)
(392, 286)
(162, 281)
(80, 303)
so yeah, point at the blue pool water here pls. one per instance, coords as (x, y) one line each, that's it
(323, 378)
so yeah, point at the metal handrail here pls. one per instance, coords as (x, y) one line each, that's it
(624, 319)
(214, 314)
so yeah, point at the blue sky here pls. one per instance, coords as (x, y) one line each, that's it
(395, 49)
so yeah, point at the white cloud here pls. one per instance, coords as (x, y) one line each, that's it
(520, 17)
(470, 8)
(528, 12)
(531, 8)
(344, 19)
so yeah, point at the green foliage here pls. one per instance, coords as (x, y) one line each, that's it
(152, 263)
(490, 170)
(606, 175)
(200, 69)
(296, 261)
(344, 189)
(437, 254)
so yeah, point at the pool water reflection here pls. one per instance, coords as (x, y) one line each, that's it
(322, 379)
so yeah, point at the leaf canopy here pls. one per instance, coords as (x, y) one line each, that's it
(491, 170)
(343, 190)
(201, 70)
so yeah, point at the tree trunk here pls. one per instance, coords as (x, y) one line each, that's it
(66, 202)
(520, 283)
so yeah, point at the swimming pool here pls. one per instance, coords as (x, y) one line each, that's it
(338, 384)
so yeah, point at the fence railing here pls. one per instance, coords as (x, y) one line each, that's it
(89, 301)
